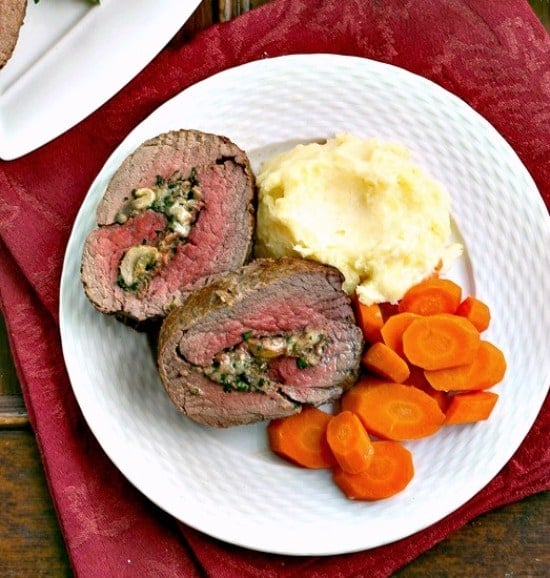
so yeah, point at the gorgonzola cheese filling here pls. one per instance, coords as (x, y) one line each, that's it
(245, 367)
(180, 200)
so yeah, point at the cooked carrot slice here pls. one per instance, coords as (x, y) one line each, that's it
(394, 411)
(389, 473)
(431, 296)
(470, 407)
(369, 318)
(476, 311)
(350, 443)
(301, 438)
(393, 329)
(440, 341)
(487, 369)
(384, 361)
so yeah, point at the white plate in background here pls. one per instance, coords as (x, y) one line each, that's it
(71, 57)
(226, 483)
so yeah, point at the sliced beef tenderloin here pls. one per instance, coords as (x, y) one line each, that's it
(178, 212)
(12, 15)
(259, 342)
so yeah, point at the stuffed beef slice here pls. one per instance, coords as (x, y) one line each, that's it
(259, 343)
(177, 213)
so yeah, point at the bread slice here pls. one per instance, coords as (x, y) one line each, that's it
(12, 16)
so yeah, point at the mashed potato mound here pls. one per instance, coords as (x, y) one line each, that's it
(361, 206)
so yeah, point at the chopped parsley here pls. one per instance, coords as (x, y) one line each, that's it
(122, 284)
(245, 367)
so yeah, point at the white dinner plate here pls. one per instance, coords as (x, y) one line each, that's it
(71, 57)
(226, 483)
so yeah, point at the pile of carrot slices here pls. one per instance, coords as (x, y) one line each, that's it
(425, 366)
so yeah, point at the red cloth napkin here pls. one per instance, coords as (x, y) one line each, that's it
(495, 55)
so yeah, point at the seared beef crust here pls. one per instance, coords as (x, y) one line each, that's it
(265, 298)
(219, 240)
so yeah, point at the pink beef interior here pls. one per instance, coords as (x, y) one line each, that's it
(218, 228)
(220, 240)
(264, 298)
(103, 251)
(275, 311)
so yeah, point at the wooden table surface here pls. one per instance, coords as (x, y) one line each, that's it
(513, 541)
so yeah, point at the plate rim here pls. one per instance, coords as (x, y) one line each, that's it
(134, 134)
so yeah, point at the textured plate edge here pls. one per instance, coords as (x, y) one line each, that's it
(252, 545)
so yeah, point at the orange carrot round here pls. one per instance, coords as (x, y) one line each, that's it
(476, 311)
(369, 318)
(389, 473)
(384, 361)
(440, 341)
(487, 369)
(431, 296)
(393, 329)
(470, 407)
(301, 438)
(394, 411)
(350, 443)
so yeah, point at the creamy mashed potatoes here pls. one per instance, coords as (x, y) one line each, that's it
(361, 206)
